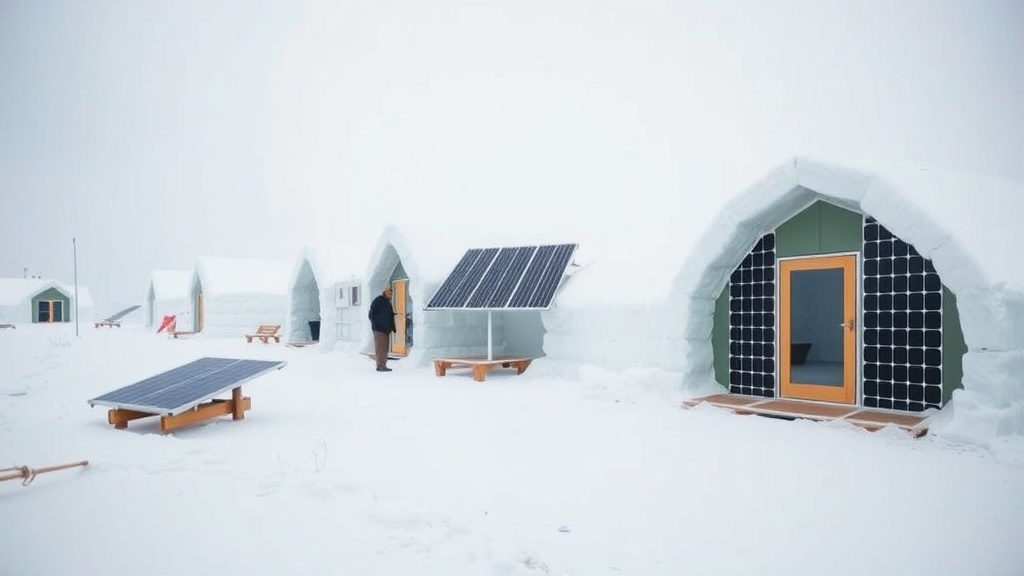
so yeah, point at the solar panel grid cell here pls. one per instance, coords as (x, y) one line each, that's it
(524, 277)
(523, 294)
(500, 297)
(201, 389)
(471, 278)
(552, 277)
(450, 284)
(490, 281)
(141, 392)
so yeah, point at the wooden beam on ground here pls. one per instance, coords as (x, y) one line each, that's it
(867, 418)
(120, 417)
(204, 412)
(29, 474)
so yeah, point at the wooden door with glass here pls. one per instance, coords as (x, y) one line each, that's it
(818, 328)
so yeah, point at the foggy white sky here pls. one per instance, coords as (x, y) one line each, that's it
(157, 132)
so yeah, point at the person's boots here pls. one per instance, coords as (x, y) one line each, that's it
(382, 368)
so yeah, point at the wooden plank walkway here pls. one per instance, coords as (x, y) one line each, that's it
(867, 418)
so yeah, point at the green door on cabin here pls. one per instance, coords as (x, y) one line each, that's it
(50, 306)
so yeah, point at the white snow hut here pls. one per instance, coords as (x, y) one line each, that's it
(414, 261)
(168, 293)
(34, 300)
(897, 289)
(232, 297)
(325, 301)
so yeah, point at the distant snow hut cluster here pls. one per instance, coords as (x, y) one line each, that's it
(897, 290)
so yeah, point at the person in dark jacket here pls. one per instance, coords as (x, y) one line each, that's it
(382, 322)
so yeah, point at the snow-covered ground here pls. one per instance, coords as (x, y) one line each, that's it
(338, 469)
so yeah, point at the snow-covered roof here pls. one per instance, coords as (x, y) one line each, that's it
(15, 291)
(338, 262)
(963, 222)
(221, 276)
(170, 284)
(430, 250)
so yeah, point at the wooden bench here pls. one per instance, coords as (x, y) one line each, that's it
(11, 326)
(481, 366)
(265, 333)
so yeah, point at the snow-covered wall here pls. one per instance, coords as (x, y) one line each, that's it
(167, 293)
(304, 304)
(239, 295)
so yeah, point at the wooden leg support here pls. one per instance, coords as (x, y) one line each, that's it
(206, 411)
(480, 371)
(440, 367)
(238, 404)
(120, 417)
(236, 407)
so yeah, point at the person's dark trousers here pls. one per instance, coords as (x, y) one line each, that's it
(380, 348)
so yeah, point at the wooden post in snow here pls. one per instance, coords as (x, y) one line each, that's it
(29, 474)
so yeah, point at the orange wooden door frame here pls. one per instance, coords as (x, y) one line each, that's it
(200, 313)
(847, 393)
(51, 307)
(399, 289)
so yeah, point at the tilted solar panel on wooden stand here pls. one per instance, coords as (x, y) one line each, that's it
(496, 279)
(177, 392)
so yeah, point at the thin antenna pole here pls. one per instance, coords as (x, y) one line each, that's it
(74, 247)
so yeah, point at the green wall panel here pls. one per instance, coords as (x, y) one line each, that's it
(953, 346)
(821, 228)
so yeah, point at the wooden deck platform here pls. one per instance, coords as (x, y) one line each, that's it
(867, 418)
(481, 365)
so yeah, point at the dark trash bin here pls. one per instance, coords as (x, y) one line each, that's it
(314, 330)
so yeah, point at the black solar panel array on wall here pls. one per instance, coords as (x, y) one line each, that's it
(902, 324)
(752, 322)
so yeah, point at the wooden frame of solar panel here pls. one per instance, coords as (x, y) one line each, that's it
(185, 395)
(500, 279)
